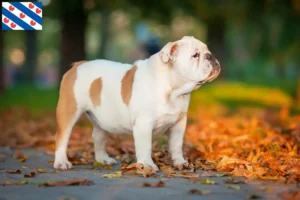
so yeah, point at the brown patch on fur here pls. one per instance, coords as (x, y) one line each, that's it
(127, 83)
(95, 92)
(67, 105)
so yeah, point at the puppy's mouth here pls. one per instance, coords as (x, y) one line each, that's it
(212, 76)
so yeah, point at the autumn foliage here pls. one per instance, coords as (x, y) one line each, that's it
(250, 142)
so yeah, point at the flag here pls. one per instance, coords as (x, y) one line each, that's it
(22, 15)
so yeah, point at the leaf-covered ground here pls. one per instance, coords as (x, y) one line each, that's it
(253, 143)
(258, 140)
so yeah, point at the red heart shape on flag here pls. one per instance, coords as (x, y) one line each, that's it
(22, 15)
(13, 25)
(38, 11)
(32, 23)
(31, 6)
(6, 20)
(11, 8)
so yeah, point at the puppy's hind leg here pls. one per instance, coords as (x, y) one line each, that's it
(67, 114)
(100, 138)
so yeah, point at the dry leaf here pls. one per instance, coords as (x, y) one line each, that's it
(199, 192)
(158, 184)
(20, 157)
(24, 167)
(117, 174)
(98, 164)
(235, 187)
(145, 184)
(15, 183)
(206, 182)
(73, 182)
(14, 171)
(146, 171)
(30, 175)
(232, 181)
(168, 170)
(39, 170)
(291, 196)
(186, 175)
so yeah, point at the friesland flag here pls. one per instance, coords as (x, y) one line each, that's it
(22, 15)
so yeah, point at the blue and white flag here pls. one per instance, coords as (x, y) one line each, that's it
(22, 15)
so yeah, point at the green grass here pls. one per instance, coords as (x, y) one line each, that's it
(37, 100)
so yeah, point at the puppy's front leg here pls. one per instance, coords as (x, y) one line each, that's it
(176, 141)
(142, 133)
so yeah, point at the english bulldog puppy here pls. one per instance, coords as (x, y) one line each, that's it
(151, 96)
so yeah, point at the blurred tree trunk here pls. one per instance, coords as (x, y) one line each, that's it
(1, 62)
(104, 32)
(298, 88)
(31, 57)
(216, 40)
(74, 22)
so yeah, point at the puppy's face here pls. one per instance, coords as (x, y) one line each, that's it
(191, 59)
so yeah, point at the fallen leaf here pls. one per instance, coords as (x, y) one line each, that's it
(15, 183)
(158, 184)
(24, 167)
(14, 171)
(145, 184)
(30, 175)
(235, 187)
(80, 181)
(254, 196)
(20, 157)
(212, 174)
(98, 164)
(146, 170)
(187, 175)
(117, 174)
(168, 170)
(295, 195)
(206, 182)
(39, 170)
(199, 192)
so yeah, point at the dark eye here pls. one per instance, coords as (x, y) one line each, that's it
(196, 55)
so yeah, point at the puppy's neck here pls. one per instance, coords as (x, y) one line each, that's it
(169, 81)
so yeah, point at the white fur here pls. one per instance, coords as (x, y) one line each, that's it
(149, 111)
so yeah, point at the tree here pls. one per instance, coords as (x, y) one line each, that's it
(31, 56)
(74, 20)
(1, 63)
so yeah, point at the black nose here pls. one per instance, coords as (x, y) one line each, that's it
(208, 56)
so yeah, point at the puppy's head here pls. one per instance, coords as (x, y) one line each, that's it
(191, 59)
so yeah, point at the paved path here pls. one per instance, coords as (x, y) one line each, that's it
(119, 188)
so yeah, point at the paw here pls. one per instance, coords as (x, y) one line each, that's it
(62, 164)
(180, 163)
(150, 163)
(106, 160)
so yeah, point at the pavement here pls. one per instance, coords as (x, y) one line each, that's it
(126, 187)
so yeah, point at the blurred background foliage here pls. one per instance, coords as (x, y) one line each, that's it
(256, 41)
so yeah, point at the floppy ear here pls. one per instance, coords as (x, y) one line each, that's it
(169, 52)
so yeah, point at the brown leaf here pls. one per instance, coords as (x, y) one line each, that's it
(158, 184)
(146, 170)
(186, 175)
(14, 171)
(199, 192)
(79, 181)
(39, 170)
(15, 183)
(30, 175)
(168, 170)
(20, 157)
(145, 184)
(291, 196)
